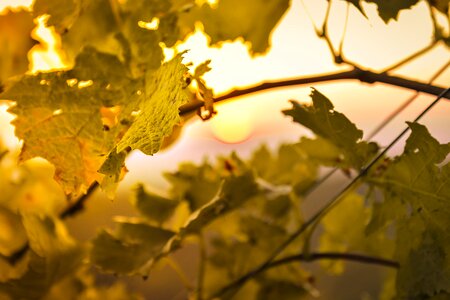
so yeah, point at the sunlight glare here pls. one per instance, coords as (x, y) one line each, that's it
(45, 56)
(232, 124)
(13, 4)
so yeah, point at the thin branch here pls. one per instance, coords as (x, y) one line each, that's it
(78, 204)
(404, 105)
(411, 57)
(334, 256)
(356, 74)
(318, 256)
(325, 209)
(344, 30)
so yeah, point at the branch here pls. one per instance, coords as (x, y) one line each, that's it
(313, 257)
(356, 73)
(78, 205)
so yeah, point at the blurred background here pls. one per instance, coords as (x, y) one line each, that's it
(246, 122)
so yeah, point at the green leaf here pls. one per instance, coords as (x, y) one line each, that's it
(95, 26)
(69, 133)
(415, 181)
(162, 96)
(253, 21)
(196, 185)
(357, 4)
(128, 249)
(234, 192)
(344, 231)
(323, 120)
(15, 36)
(155, 208)
(290, 167)
(388, 10)
(53, 256)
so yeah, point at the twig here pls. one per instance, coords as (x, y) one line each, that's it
(325, 256)
(78, 204)
(325, 209)
(356, 73)
(411, 57)
(335, 256)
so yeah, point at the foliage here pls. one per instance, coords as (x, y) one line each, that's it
(120, 94)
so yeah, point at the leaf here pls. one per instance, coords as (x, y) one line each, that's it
(16, 41)
(196, 185)
(357, 4)
(162, 96)
(95, 26)
(128, 249)
(69, 133)
(388, 10)
(62, 13)
(291, 167)
(323, 120)
(234, 192)
(253, 21)
(153, 207)
(344, 231)
(54, 255)
(415, 181)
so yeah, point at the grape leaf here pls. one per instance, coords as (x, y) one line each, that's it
(388, 10)
(95, 26)
(162, 96)
(128, 249)
(16, 41)
(344, 231)
(253, 21)
(357, 4)
(323, 120)
(69, 133)
(76, 140)
(196, 185)
(415, 180)
(54, 255)
(153, 207)
(234, 192)
(289, 167)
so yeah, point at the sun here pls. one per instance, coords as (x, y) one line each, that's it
(232, 124)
